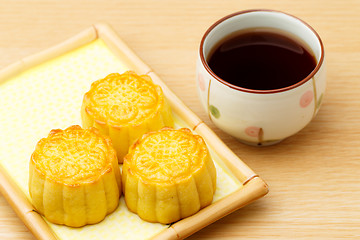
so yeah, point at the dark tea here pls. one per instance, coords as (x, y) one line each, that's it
(261, 59)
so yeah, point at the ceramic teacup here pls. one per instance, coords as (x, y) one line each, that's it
(260, 117)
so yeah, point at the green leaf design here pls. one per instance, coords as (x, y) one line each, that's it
(214, 111)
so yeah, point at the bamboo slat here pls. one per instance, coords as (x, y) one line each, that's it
(11, 70)
(254, 187)
(8, 188)
(76, 41)
(117, 46)
(72, 43)
(253, 190)
(176, 104)
(238, 167)
(23, 208)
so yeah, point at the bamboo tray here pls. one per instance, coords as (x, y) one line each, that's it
(26, 117)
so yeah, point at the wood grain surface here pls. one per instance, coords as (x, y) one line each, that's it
(313, 176)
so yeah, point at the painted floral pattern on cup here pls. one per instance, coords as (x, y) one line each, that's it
(214, 111)
(201, 82)
(306, 99)
(256, 132)
(252, 131)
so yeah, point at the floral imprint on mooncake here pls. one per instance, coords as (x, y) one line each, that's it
(306, 99)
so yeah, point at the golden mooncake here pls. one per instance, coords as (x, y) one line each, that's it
(168, 175)
(124, 107)
(74, 177)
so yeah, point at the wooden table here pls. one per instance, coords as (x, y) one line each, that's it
(313, 176)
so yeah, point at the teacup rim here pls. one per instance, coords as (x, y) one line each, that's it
(278, 90)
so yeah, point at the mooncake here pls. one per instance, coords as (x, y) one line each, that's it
(168, 175)
(74, 177)
(124, 107)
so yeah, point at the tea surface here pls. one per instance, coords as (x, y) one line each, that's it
(261, 59)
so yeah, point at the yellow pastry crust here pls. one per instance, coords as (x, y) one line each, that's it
(168, 175)
(125, 106)
(74, 177)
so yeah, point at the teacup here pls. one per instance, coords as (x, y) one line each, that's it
(260, 117)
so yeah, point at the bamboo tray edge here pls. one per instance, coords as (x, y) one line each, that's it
(254, 186)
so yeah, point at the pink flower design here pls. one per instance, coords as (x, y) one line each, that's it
(252, 131)
(306, 99)
(201, 82)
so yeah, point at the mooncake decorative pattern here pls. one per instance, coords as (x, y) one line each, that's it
(43, 97)
(168, 175)
(74, 177)
(124, 107)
